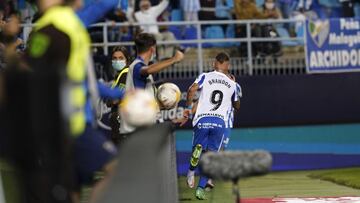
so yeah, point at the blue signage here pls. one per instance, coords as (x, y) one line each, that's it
(333, 45)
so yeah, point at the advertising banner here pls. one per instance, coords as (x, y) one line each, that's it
(333, 45)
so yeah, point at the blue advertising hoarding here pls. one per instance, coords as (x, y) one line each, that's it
(333, 45)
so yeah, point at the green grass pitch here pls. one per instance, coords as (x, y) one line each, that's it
(319, 183)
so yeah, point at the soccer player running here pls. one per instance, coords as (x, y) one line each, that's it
(140, 72)
(218, 95)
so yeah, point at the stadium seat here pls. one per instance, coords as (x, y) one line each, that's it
(230, 33)
(214, 32)
(176, 30)
(330, 3)
(190, 33)
(284, 33)
(176, 15)
(300, 33)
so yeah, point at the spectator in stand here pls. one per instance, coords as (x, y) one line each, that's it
(117, 33)
(223, 11)
(148, 14)
(247, 10)
(191, 9)
(304, 8)
(303, 12)
(208, 9)
(347, 8)
(270, 11)
(215, 10)
(285, 7)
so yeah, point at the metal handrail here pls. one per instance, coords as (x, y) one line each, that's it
(199, 41)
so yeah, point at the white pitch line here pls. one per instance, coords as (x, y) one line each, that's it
(318, 200)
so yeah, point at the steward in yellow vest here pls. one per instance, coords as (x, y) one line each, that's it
(60, 40)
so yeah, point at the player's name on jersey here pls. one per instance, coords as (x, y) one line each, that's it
(219, 81)
(211, 114)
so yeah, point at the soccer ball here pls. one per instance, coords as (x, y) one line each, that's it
(168, 95)
(139, 108)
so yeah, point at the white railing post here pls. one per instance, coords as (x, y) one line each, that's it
(249, 49)
(105, 39)
(199, 48)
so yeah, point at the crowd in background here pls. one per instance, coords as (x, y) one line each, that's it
(152, 11)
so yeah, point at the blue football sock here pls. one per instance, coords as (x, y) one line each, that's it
(203, 181)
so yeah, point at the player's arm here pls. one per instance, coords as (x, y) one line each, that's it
(189, 110)
(158, 9)
(157, 67)
(236, 105)
(237, 95)
(189, 99)
(96, 11)
(110, 93)
(191, 94)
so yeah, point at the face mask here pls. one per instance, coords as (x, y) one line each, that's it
(118, 64)
(153, 57)
(269, 6)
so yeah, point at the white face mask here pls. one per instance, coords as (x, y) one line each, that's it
(153, 57)
(118, 64)
(269, 6)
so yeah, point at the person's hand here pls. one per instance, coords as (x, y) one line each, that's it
(187, 113)
(18, 42)
(178, 56)
(181, 121)
(232, 77)
(273, 14)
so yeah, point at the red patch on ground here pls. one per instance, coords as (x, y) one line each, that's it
(257, 200)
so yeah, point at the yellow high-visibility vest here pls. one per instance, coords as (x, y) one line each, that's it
(65, 20)
(116, 82)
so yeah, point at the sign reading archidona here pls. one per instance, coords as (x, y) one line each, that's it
(333, 45)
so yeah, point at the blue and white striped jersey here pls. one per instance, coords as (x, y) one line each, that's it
(217, 93)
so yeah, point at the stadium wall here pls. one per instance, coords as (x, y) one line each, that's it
(305, 121)
(292, 147)
(285, 100)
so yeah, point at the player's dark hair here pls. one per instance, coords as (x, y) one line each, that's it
(124, 51)
(222, 57)
(143, 42)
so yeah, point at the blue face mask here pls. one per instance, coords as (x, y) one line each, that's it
(118, 64)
